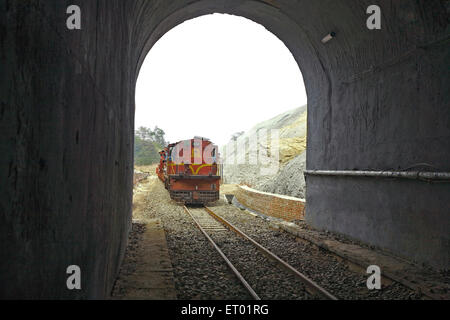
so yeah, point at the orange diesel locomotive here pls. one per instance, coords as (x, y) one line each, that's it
(190, 171)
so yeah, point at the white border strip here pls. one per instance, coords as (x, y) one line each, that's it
(272, 194)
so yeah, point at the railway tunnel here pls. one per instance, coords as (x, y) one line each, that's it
(67, 121)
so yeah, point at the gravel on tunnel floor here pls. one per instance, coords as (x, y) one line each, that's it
(199, 271)
(268, 280)
(318, 264)
(130, 260)
(201, 274)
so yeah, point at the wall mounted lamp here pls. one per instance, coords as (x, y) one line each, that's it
(328, 37)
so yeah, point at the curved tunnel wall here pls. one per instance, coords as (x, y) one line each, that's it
(378, 100)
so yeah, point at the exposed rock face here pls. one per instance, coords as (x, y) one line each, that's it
(290, 180)
(285, 160)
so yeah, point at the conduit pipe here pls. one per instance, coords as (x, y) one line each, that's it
(416, 175)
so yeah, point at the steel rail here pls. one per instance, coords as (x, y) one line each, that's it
(313, 287)
(235, 271)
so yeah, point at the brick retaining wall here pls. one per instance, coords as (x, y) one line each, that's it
(279, 206)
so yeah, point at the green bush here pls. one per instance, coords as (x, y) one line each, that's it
(147, 144)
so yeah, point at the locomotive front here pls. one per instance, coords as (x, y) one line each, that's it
(192, 171)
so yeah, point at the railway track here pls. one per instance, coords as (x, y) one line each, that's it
(215, 228)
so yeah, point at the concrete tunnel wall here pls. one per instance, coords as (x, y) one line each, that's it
(378, 100)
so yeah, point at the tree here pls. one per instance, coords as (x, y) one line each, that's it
(145, 133)
(159, 136)
(147, 144)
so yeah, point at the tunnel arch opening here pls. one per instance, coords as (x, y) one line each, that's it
(264, 13)
(312, 67)
(218, 75)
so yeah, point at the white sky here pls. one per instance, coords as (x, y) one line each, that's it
(216, 75)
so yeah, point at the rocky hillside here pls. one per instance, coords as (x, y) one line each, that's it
(282, 171)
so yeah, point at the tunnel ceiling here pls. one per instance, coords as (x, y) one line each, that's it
(377, 100)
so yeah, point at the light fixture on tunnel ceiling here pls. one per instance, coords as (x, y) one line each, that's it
(328, 37)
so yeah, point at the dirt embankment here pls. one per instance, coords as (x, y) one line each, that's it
(141, 188)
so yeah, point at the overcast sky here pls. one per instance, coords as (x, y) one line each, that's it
(216, 75)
